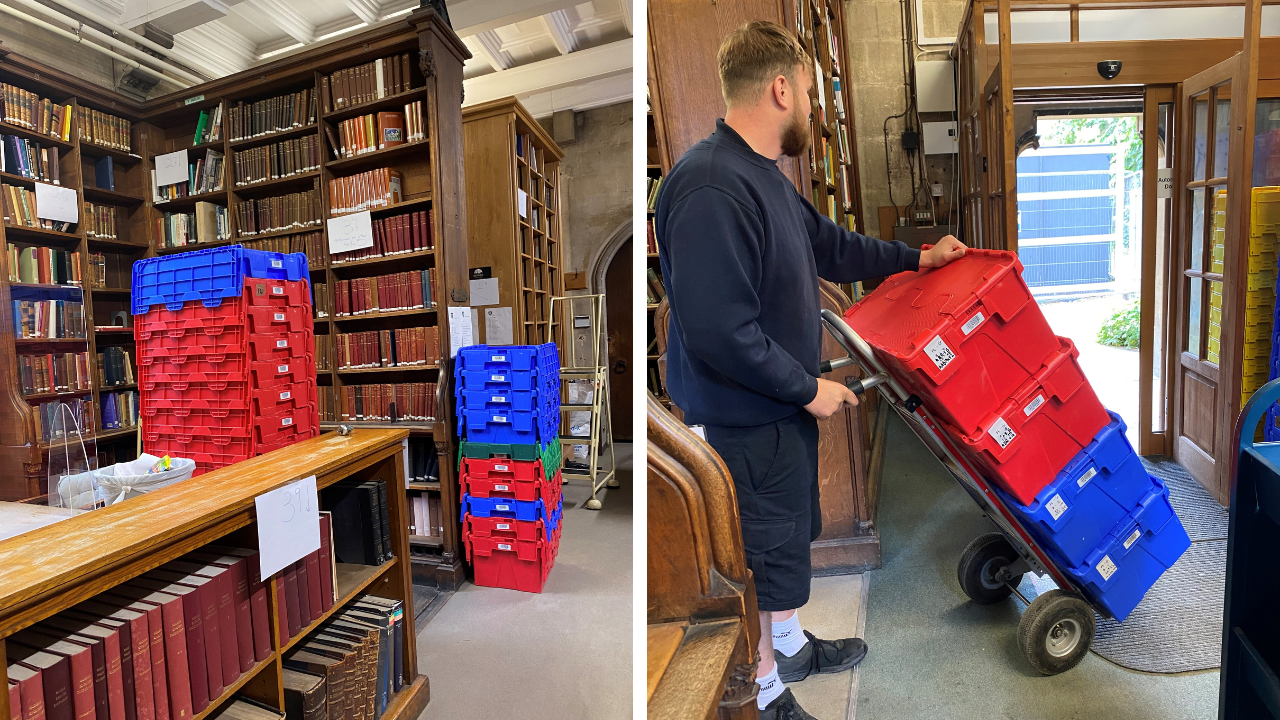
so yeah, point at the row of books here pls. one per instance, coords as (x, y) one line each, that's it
(365, 83)
(208, 223)
(328, 400)
(387, 402)
(120, 410)
(65, 418)
(531, 154)
(654, 286)
(273, 115)
(424, 516)
(100, 221)
(19, 156)
(387, 348)
(424, 461)
(48, 319)
(361, 530)
(99, 128)
(368, 133)
(406, 233)
(651, 240)
(311, 243)
(104, 173)
(110, 270)
(39, 264)
(385, 293)
(54, 372)
(209, 126)
(365, 191)
(20, 209)
(320, 300)
(203, 176)
(278, 160)
(29, 110)
(115, 367)
(323, 344)
(651, 193)
(284, 212)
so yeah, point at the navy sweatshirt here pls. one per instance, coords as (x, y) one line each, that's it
(741, 253)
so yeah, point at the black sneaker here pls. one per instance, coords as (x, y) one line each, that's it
(785, 707)
(820, 656)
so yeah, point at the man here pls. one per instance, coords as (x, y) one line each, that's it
(741, 254)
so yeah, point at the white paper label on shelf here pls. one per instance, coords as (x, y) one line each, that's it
(484, 292)
(55, 203)
(282, 343)
(501, 488)
(171, 169)
(460, 334)
(939, 353)
(1129, 541)
(972, 324)
(277, 264)
(1033, 405)
(279, 317)
(288, 525)
(1106, 568)
(1086, 477)
(1056, 506)
(277, 290)
(500, 468)
(502, 508)
(286, 395)
(282, 369)
(504, 546)
(285, 422)
(350, 232)
(503, 526)
(1001, 432)
(1164, 182)
(497, 326)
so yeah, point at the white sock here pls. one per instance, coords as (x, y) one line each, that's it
(788, 636)
(771, 686)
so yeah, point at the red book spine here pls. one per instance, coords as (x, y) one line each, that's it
(304, 594)
(225, 591)
(15, 701)
(82, 685)
(244, 613)
(143, 688)
(314, 600)
(326, 564)
(282, 610)
(291, 600)
(258, 610)
(177, 667)
(30, 692)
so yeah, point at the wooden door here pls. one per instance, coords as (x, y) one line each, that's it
(1159, 140)
(617, 302)
(1000, 209)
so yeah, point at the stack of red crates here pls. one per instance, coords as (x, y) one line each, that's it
(226, 362)
(526, 542)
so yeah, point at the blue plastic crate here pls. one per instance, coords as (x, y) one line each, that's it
(208, 275)
(501, 426)
(1101, 485)
(501, 507)
(526, 400)
(1118, 573)
(498, 357)
(497, 380)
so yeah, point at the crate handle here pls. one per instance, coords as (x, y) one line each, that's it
(221, 440)
(181, 412)
(179, 386)
(217, 385)
(219, 413)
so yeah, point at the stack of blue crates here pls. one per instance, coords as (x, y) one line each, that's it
(1106, 522)
(1270, 430)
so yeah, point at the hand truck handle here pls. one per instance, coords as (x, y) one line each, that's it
(860, 352)
(859, 386)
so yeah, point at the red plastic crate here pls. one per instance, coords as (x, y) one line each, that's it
(277, 293)
(283, 399)
(173, 421)
(1036, 431)
(229, 312)
(211, 340)
(209, 452)
(149, 380)
(510, 563)
(280, 347)
(496, 477)
(272, 320)
(176, 403)
(181, 365)
(496, 527)
(286, 428)
(963, 336)
(264, 375)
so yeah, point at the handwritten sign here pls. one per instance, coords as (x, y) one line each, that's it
(288, 524)
(171, 169)
(350, 232)
(56, 203)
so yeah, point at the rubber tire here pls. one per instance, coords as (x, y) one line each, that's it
(1045, 612)
(982, 550)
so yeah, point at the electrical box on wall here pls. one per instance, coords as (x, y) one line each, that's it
(940, 138)
(935, 86)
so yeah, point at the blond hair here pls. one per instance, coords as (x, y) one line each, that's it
(753, 55)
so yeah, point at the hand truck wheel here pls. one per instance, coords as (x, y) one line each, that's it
(1056, 631)
(979, 571)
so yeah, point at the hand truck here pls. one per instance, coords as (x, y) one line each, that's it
(1058, 626)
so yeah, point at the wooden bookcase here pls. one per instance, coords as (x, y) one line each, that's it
(432, 180)
(53, 568)
(655, 170)
(511, 160)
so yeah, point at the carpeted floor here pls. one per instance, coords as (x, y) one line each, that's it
(934, 654)
(563, 653)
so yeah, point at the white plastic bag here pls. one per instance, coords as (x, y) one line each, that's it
(125, 480)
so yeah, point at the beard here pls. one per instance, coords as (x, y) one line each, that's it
(795, 136)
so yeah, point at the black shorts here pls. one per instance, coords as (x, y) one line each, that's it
(775, 470)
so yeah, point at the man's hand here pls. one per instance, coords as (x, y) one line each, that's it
(947, 249)
(830, 398)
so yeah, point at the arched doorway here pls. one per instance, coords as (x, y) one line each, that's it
(611, 274)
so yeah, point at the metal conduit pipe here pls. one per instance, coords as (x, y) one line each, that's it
(188, 60)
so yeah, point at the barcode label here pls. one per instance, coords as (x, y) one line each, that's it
(497, 398)
(1106, 568)
(286, 422)
(279, 317)
(500, 418)
(503, 508)
(1033, 405)
(282, 369)
(1086, 477)
(277, 263)
(1001, 432)
(503, 526)
(277, 290)
(286, 395)
(498, 378)
(504, 546)
(1056, 506)
(1128, 543)
(972, 324)
(501, 488)
(939, 353)
(500, 468)
(498, 358)
(282, 343)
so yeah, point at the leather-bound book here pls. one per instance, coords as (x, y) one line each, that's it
(331, 668)
(107, 641)
(192, 636)
(393, 610)
(304, 696)
(30, 691)
(258, 598)
(353, 700)
(304, 593)
(238, 568)
(380, 643)
(120, 597)
(282, 609)
(355, 535)
(175, 672)
(80, 662)
(225, 595)
(328, 572)
(15, 700)
(296, 621)
(138, 701)
(390, 129)
(315, 593)
(243, 708)
(367, 639)
(205, 603)
(55, 676)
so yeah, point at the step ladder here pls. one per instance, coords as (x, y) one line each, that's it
(585, 357)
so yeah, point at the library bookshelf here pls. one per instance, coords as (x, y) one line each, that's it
(513, 188)
(54, 568)
(429, 57)
(655, 170)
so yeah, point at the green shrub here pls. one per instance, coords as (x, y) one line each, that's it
(1121, 329)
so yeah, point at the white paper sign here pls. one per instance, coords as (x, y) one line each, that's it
(288, 525)
(172, 169)
(522, 202)
(460, 334)
(350, 232)
(1164, 182)
(497, 326)
(56, 203)
(484, 292)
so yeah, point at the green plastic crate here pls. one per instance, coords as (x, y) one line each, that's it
(551, 459)
(481, 450)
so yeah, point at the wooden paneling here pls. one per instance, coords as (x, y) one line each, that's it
(1199, 399)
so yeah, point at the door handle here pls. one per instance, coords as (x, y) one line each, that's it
(620, 367)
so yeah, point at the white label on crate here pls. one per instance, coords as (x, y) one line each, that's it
(498, 358)
(498, 378)
(277, 290)
(497, 398)
(501, 488)
(1086, 477)
(1056, 506)
(1033, 405)
(286, 395)
(282, 369)
(504, 546)
(939, 353)
(500, 468)
(1106, 568)
(1001, 432)
(279, 317)
(500, 418)
(285, 422)
(1128, 543)
(503, 508)
(277, 263)
(972, 324)
(503, 526)
(282, 343)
